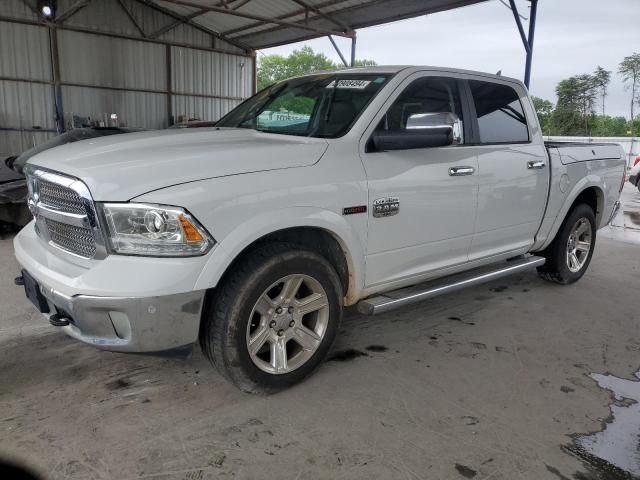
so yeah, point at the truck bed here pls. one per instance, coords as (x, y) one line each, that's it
(572, 152)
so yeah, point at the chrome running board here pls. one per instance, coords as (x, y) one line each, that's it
(407, 296)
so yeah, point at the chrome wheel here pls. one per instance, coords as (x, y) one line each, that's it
(287, 324)
(579, 245)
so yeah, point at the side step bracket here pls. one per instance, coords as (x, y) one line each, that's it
(407, 296)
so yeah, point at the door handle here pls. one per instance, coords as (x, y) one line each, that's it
(536, 165)
(460, 171)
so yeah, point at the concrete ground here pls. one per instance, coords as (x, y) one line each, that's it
(490, 382)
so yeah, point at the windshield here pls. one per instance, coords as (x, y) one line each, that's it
(324, 105)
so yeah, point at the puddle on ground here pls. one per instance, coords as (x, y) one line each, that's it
(615, 449)
(632, 219)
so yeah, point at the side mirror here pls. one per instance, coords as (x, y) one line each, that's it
(9, 162)
(423, 130)
(437, 121)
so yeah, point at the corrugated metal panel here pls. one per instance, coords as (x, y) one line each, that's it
(101, 15)
(135, 109)
(109, 16)
(14, 143)
(24, 51)
(26, 105)
(17, 9)
(187, 35)
(111, 62)
(201, 108)
(217, 22)
(352, 14)
(210, 73)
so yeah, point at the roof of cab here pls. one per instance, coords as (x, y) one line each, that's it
(409, 69)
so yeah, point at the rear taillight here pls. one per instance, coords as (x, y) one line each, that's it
(637, 161)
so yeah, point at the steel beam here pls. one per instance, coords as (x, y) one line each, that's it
(527, 41)
(302, 11)
(132, 18)
(30, 6)
(169, 85)
(72, 10)
(532, 33)
(73, 28)
(335, 45)
(319, 12)
(153, 5)
(516, 17)
(55, 76)
(353, 51)
(260, 18)
(175, 23)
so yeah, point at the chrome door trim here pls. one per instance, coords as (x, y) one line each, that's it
(461, 171)
(536, 165)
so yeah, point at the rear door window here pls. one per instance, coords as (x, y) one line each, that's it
(501, 118)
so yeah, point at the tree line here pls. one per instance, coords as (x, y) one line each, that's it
(580, 109)
(274, 68)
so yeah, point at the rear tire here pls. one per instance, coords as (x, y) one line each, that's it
(272, 321)
(569, 255)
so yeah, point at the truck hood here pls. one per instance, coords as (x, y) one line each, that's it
(121, 167)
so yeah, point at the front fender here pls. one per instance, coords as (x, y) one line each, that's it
(257, 227)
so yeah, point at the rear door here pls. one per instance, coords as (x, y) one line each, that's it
(426, 212)
(513, 175)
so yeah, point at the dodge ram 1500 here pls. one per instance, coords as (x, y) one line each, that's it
(318, 192)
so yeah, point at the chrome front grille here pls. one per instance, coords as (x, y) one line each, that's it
(61, 198)
(76, 240)
(65, 214)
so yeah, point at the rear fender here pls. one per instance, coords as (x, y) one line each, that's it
(584, 183)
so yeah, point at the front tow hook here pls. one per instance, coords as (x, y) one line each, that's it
(19, 281)
(58, 320)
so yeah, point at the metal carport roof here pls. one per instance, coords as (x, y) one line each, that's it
(257, 24)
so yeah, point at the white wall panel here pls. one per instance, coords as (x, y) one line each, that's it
(113, 62)
(211, 73)
(14, 143)
(26, 105)
(17, 9)
(24, 52)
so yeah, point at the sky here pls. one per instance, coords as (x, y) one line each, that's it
(572, 37)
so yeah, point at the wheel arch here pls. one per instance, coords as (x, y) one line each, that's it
(323, 232)
(588, 191)
(592, 196)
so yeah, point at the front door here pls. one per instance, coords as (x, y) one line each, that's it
(422, 200)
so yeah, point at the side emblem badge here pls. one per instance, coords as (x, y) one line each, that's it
(386, 207)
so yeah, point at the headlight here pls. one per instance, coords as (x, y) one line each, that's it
(154, 230)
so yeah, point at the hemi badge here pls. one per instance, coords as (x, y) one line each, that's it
(354, 210)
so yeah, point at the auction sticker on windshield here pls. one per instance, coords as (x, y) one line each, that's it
(356, 84)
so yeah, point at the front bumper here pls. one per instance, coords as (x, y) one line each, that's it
(128, 304)
(129, 324)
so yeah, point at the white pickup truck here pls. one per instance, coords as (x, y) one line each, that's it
(327, 190)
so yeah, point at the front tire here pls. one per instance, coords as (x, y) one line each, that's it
(569, 255)
(273, 320)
